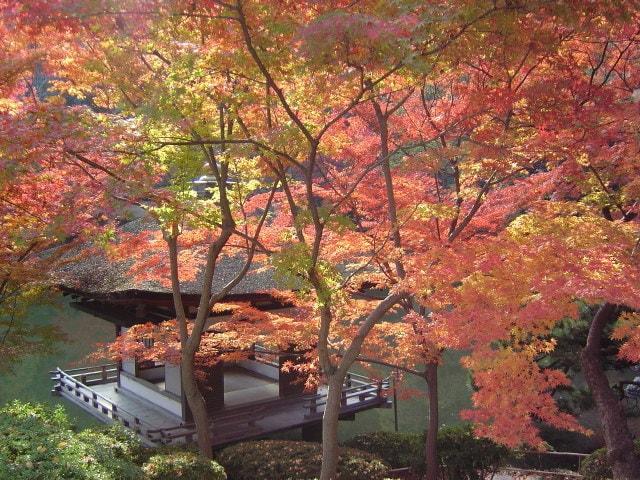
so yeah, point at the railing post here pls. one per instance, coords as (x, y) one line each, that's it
(104, 374)
(57, 387)
(114, 411)
(313, 407)
(364, 393)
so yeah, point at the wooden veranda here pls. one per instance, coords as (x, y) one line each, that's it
(95, 390)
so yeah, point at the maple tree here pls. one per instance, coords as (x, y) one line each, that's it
(101, 60)
(495, 136)
(578, 189)
(52, 196)
(475, 161)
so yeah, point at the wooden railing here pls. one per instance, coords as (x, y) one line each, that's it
(363, 389)
(75, 382)
(94, 375)
(263, 355)
(229, 423)
(546, 461)
(358, 391)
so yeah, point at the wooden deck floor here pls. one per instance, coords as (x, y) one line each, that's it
(137, 406)
(242, 386)
(252, 409)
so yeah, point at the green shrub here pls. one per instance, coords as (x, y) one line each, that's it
(461, 455)
(597, 467)
(119, 441)
(183, 466)
(567, 441)
(37, 442)
(397, 449)
(285, 460)
(36, 414)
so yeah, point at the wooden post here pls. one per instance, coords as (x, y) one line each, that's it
(57, 387)
(104, 374)
(312, 432)
(395, 400)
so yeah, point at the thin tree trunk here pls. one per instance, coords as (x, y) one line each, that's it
(431, 443)
(625, 464)
(330, 449)
(336, 376)
(197, 405)
(190, 387)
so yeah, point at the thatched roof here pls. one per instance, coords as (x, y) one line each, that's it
(97, 275)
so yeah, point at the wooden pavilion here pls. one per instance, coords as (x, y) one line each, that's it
(246, 399)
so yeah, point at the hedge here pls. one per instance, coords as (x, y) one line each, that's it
(461, 456)
(37, 442)
(286, 460)
(399, 450)
(597, 467)
(183, 466)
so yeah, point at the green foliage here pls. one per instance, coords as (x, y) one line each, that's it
(119, 441)
(37, 442)
(597, 467)
(184, 466)
(461, 455)
(284, 460)
(397, 449)
(574, 400)
(291, 265)
(37, 414)
(567, 441)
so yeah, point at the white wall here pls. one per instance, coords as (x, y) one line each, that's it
(172, 380)
(129, 365)
(268, 371)
(150, 393)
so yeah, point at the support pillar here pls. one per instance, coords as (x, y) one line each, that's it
(312, 432)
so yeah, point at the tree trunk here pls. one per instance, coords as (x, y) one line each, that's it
(197, 405)
(625, 464)
(330, 420)
(431, 444)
